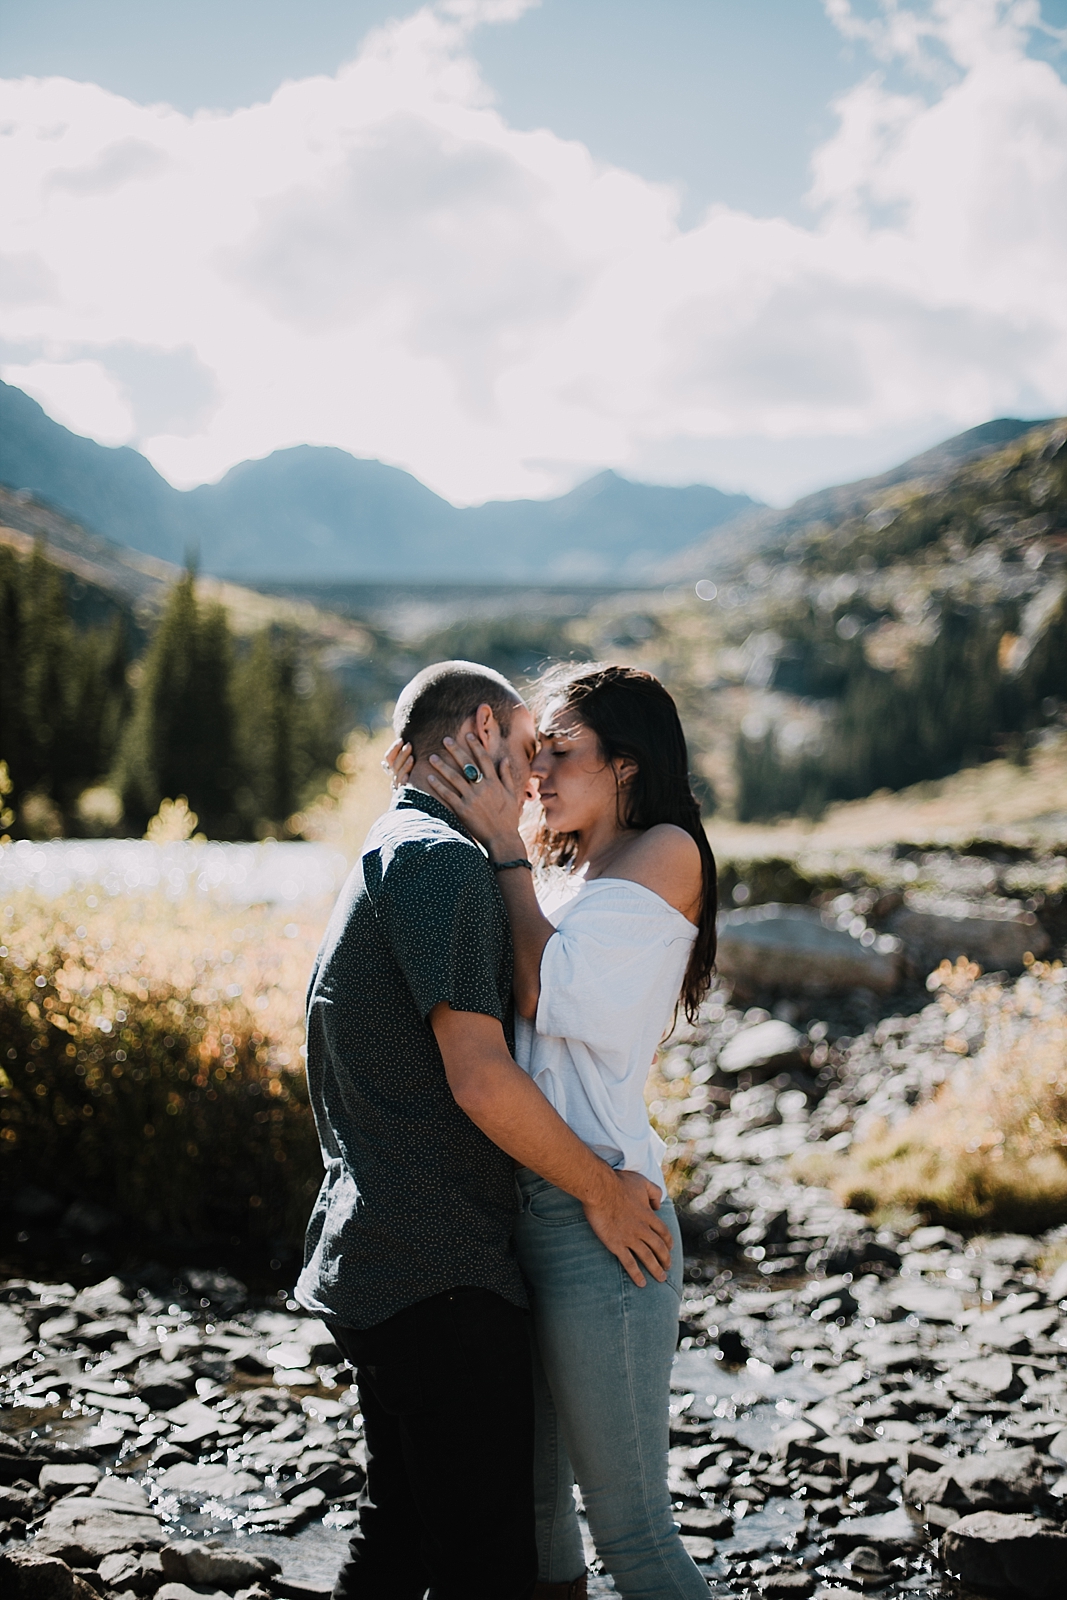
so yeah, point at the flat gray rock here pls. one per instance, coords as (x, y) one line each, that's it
(188, 1477)
(82, 1531)
(182, 1591)
(927, 1301)
(891, 1528)
(768, 1044)
(993, 1375)
(121, 1494)
(934, 929)
(999, 1480)
(192, 1561)
(25, 1574)
(787, 1584)
(128, 1570)
(1007, 1554)
(164, 1384)
(792, 949)
(57, 1478)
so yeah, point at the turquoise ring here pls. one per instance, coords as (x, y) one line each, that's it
(472, 773)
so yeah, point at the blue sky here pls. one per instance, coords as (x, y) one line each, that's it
(687, 318)
(728, 97)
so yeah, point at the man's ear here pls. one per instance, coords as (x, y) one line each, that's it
(486, 727)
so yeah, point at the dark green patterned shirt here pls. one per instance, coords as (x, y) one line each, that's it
(415, 1199)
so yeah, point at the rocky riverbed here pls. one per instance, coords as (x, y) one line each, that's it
(855, 1408)
(887, 1428)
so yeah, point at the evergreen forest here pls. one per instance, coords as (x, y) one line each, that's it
(100, 721)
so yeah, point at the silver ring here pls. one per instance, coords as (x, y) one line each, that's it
(472, 773)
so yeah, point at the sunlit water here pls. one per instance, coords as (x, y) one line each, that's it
(240, 874)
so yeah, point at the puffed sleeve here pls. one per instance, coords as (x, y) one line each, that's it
(604, 970)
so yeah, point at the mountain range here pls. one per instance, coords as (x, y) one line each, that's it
(765, 529)
(313, 513)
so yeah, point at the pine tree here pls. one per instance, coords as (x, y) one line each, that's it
(288, 718)
(48, 679)
(180, 737)
(265, 697)
(63, 692)
(12, 719)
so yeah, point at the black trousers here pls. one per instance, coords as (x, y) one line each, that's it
(446, 1393)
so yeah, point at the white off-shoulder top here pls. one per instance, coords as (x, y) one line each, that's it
(610, 980)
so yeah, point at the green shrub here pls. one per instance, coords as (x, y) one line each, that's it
(155, 1095)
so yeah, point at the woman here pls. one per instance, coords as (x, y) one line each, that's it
(623, 929)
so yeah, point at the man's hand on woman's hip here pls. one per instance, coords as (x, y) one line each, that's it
(625, 1222)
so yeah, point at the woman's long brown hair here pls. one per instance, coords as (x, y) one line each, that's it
(632, 715)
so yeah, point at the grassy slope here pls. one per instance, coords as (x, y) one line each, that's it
(997, 795)
(143, 581)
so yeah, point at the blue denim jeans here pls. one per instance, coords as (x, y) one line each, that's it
(601, 1390)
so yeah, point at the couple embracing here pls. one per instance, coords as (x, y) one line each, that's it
(493, 1246)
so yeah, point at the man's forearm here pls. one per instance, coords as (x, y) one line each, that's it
(530, 928)
(511, 1110)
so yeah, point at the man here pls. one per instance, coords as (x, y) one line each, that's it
(422, 1114)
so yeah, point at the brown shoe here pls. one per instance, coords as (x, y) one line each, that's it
(575, 1590)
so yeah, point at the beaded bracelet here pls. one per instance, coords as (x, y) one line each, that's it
(520, 861)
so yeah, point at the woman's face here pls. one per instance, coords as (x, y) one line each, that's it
(577, 788)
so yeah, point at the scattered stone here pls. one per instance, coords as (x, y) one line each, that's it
(823, 1356)
(1007, 1554)
(191, 1561)
(993, 1375)
(792, 949)
(933, 929)
(82, 1530)
(893, 1529)
(214, 1480)
(182, 1591)
(999, 1480)
(28, 1575)
(766, 1046)
(164, 1384)
(125, 1571)
(56, 1479)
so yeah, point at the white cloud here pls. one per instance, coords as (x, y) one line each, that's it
(377, 261)
(82, 395)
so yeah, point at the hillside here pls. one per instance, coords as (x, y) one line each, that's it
(767, 530)
(139, 583)
(919, 627)
(1022, 805)
(313, 512)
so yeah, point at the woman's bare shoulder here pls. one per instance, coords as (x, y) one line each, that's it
(666, 860)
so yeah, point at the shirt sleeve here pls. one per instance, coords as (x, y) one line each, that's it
(608, 971)
(444, 920)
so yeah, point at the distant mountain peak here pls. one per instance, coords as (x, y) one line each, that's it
(764, 528)
(316, 512)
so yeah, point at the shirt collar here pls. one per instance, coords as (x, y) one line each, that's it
(409, 798)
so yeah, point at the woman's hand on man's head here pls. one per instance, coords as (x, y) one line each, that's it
(487, 805)
(398, 761)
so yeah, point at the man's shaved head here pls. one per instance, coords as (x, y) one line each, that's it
(439, 699)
